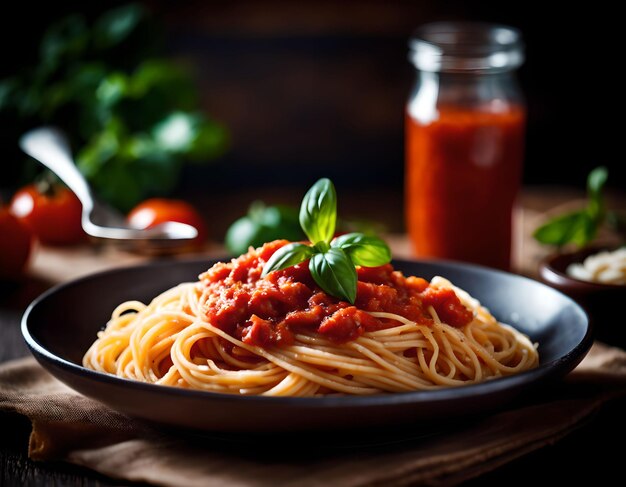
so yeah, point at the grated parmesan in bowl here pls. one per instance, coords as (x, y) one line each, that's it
(605, 267)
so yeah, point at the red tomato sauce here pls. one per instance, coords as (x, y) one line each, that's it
(268, 311)
(463, 172)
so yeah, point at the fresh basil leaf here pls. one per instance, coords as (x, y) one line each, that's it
(287, 256)
(321, 247)
(318, 212)
(365, 250)
(334, 272)
(577, 227)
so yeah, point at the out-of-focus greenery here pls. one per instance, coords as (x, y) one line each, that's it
(263, 224)
(132, 116)
(580, 228)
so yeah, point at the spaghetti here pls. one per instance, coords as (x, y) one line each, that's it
(235, 332)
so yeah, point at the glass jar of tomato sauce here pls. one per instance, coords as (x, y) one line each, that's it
(465, 122)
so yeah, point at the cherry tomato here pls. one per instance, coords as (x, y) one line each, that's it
(153, 211)
(15, 244)
(53, 214)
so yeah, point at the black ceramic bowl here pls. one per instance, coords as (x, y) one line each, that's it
(61, 324)
(602, 302)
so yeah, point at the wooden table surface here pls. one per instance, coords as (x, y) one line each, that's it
(585, 455)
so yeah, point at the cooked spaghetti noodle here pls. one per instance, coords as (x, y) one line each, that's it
(203, 336)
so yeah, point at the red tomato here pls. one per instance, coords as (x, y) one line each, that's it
(153, 211)
(15, 244)
(53, 216)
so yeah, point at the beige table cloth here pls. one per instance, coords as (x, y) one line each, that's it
(69, 427)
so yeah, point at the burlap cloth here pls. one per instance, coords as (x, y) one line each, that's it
(69, 427)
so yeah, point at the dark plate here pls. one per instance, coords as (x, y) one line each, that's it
(61, 324)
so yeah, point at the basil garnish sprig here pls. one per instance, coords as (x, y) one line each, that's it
(332, 260)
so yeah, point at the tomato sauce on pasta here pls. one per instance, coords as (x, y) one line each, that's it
(266, 311)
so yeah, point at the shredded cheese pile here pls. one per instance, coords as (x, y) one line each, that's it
(605, 267)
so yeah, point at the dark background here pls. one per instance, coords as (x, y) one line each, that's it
(312, 88)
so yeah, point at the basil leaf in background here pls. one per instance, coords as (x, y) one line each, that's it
(242, 234)
(595, 185)
(177, 132)
(115, 25)
(112, 89)
(93, 156)
(596, 181)
(211, 141)
(318, 212)
(365, 250)
(190, 134)
(580, 227)
(163, 82)
(263, 224)
(335, 273)
(287, 256)
(63, 41)
(576, 227)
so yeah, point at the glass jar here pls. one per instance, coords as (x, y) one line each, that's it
(465, 125)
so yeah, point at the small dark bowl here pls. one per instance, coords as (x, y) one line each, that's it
(600, 301)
